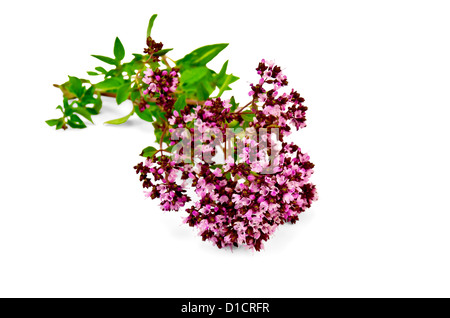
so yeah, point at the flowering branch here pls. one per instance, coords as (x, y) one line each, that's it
(261, 182)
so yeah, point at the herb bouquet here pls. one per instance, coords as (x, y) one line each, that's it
(246, 179)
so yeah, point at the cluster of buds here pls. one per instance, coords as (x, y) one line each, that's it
(152, 48)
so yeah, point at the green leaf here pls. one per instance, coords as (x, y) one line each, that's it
(225, 84)
(180, 103)
(76, 122)
(65, 90)
(119, 51)
(68, 110)
(154, 65)
(110, 83)
(105, 59)
(135, 94)
(52, 122)
(157, 113)
(89, 94)
(76, 86)
(230, 78)
(202, 55)
(233, 103)
(248, 117)
(92, 73)
(97, 102)
(101, 70)
(195, 74)
(169, 149)
(66, 103)
(60, 124)
(222, 77)
(138, 57)
(162, 52)
(233, 124)
(149, 152)
(122, 93)
(133, 66)
(150, 24)
(122, 120)
(145, 115)
(223, 70)
(204, 90)
(83, 112)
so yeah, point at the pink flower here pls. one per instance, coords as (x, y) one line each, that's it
(217, 172)
(224, 199)
(230, 161)
(172, 176)
(210, 187)
(245, 201)
(188, 118)
(201, 183)
(265, 191)
(274, 191)
(226, 104)
(256, 167)
(152, 87)
(281, 179)
(148, 72)
(264, 206)
(236, 198)
(287, 197)
(273, 207)
(254, 187)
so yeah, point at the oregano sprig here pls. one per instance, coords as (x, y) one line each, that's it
(247, 183)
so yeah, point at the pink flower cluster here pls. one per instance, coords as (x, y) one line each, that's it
(164, 173)
(240, 207)
(161, 84)
(244, 199)
(278, 108)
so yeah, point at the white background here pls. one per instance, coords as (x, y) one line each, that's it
(375, 74)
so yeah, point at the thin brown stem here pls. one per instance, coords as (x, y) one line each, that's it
(240, 110)
(152, 100)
